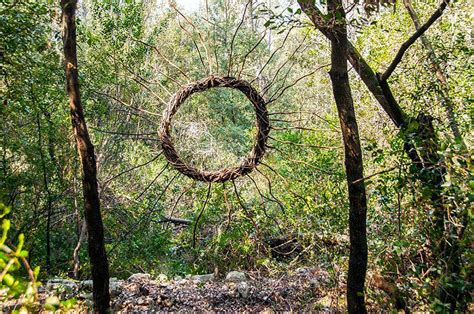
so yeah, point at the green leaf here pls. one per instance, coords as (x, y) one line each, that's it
(8, 279)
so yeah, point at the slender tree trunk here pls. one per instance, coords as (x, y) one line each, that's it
(48, 192)
(95, 228)
(353, 160)
(75, 254)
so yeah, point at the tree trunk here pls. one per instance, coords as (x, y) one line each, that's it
(46, 188)
(95, 228)
(75, 254)
(353, 160)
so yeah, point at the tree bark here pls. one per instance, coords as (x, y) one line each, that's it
(95, 228)
(75, 254)
(353, 160)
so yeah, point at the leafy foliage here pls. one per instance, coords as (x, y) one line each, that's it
(132, 56)
(12, 263)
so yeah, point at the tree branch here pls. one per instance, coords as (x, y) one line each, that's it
(398, 58)
(368, 76)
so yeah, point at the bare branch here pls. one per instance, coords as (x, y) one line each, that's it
(133, 168)
(398, 58)
(200, 214)
(229, 68)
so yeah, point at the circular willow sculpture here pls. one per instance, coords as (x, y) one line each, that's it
(225, 174)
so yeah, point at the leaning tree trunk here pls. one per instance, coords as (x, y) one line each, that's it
(95, 228)
(353, 160)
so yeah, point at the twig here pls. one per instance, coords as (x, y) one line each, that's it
(436, 15)
(200, 214)
(229, 68)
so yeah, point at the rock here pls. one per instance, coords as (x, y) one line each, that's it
(236, 276)
(115, 287)
(86, 285)
(302, 271)
(143, 301)
(88, 303)
(162, 277)
(65, 287)
(140, 277)
(203, 278)
(4, 293)
(243, 289)
(324, 304)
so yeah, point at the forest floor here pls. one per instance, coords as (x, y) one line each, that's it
(303, 290)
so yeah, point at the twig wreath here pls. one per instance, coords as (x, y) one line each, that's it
(225, 174)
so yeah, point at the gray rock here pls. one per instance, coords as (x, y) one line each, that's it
(65, 287)
(86, 285)
(140, 277)
(115, 287)
(302, 271)
(203, 278)
(236, 276)
(243, 289)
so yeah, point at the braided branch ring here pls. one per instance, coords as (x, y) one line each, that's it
(225, 174)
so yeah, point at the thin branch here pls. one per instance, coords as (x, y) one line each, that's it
(144, 216)
(126, 104)
(229, 68)
(179, 198)
(195, 45)
(263, 203)
(153, 181)
(287, 184)
(164, 57)
(376, 174)
(199, 34)
(133, 168)
(272, 55)
(200, 214)
(250, 51)
(398, 58)
(282, 207)
(265, 89)
(272, 99)
(303, 145)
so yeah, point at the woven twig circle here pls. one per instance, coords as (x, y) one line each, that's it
(225, 174)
